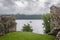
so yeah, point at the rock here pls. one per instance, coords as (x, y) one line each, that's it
(58, 36)
(7, 24)
(54, 32)
(55, 21)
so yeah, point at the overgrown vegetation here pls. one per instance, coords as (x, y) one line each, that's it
(27, 28)
(26, 36)
(46, 19)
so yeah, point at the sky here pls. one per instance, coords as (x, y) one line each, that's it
(27, 7)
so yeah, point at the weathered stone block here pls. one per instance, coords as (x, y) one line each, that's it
(55, 21)
(7, 24)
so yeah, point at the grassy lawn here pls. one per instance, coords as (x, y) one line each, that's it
(26, 36)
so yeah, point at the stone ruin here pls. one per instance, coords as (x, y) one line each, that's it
(7, 24)
(55, 21)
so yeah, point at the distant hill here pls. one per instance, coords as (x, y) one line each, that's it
(18, 16)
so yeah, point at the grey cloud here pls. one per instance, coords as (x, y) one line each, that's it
(8, 6)
(8, 2)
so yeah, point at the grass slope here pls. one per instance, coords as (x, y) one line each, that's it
(26, 36)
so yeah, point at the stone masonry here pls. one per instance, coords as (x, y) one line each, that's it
(55, 21)
(7, 24)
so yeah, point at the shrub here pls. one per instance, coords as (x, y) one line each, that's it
(27, 28)
(46, 19)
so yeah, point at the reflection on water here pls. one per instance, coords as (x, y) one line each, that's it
(35, 24)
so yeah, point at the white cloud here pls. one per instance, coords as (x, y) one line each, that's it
(21, 4)
(54, 2)
(1, 4)
(42, 1)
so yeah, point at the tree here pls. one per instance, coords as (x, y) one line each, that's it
(27, 28)
(46, 19)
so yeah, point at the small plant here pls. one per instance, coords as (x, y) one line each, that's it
(27, 28)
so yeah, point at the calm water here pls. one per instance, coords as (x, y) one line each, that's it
(35, 24)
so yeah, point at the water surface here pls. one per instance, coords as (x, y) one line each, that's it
(35, 24)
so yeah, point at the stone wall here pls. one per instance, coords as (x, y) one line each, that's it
(55, 21)
(7, 24)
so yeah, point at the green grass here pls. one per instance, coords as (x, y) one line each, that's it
(26, 36)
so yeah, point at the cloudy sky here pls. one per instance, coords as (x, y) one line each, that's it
(26, 6)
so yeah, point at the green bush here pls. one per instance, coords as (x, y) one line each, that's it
(46, 19)
(27, 28)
